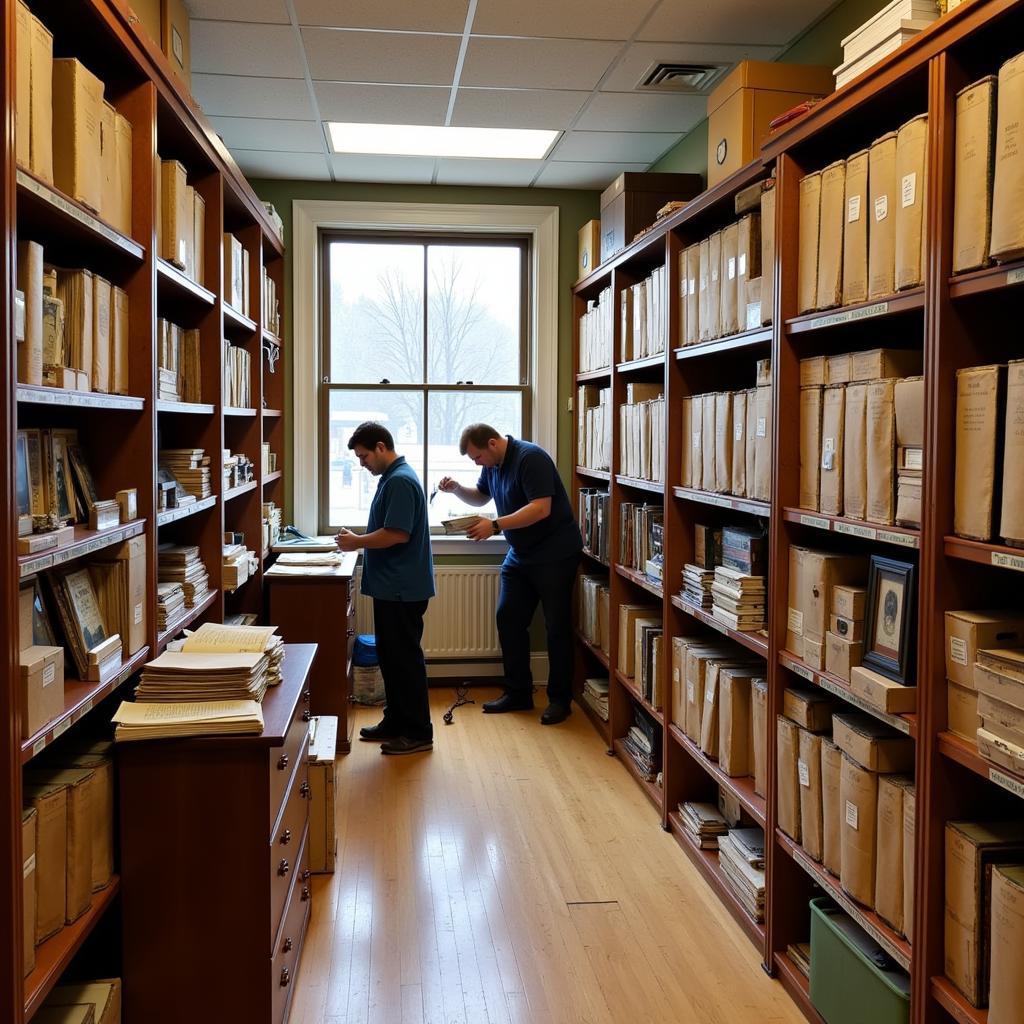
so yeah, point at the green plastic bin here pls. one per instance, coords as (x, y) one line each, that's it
(847, 986)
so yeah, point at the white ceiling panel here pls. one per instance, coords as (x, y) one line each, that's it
(269, 134)
(536, 63)
(404, 58)
(435, 16)
(583, 175)
(238, 96)
(635, 147)
(509, 173)
(620, 111)
(408, 170)
(382, 104)
(266, 11)
(637, 61)
(733, 21)
(567, 19)
(302, 166)
(231, 48)
(516, 108)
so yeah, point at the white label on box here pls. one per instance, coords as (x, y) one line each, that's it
(138, 613)
(762, 427)
(830, 444)
(714, 274)
(743, 263)
(795, 621)
(61, 728)
(49, 674)
(957, 650)
(693, 286)
(1015, 276)
(689, 691)
(851, 815)
(739, 431)
(908, 189)
(1008, 561)
(753, 315)
(881, 208)
(853, 209)
(732, 267)
(828, 459)
(804, 772)
(29, 866)
(1007, 782)
(696, 439)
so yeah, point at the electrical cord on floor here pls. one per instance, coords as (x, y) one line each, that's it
(461, 697)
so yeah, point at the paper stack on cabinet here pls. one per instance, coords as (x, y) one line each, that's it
(215, 638)
(190, 718)
(187, 676)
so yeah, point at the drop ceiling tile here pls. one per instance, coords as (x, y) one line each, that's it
(516, 108)
(412, 170)
(536, 63)
(568, 19)
(733, 21)
(608, 146)
(583, 175)
(301, 166)
(240, 96)
(266, 11)
(234, 48)
(638, 59)
(509, 173)
(403, 58)
(436, 16)
(620, 111)
(382, 104)
(268, 134)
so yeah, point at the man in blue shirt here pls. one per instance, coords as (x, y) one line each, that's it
(398, 573)
(544, 552)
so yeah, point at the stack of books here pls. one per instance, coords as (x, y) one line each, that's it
(697, 584)
(593, 515)
(237, 377)
(236, 565)
(741, 857)
(643, 744)
(154, 721)
(596, 327)
(180, 563)
(738, 599)
(188, 675)
(594, 596)
(190, 467)
(999, 679)
(704, 824)
(595, 693)
(594, 430)
(170, 605)
(638, 541)
(215, 638)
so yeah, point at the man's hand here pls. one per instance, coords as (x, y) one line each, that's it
(482, 529)
(447, 484)
(347, 540)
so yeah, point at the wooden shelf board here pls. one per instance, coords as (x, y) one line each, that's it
(54, 955)
(754, 642)
(999, 555)
(237, 323)
(948, 996)
(640, 580)
(900, 536)
(239, 410)
(965, 753)
(595, 651)
(797, 986)
(185, 408)
(652, 791)
(594, 474)
(270, 338)
(237, 492)
(172, 283)
(640, 485)
(172, 515)
(741, 788)
(749, 505)
(898, 948)
(594, 558)
(590, 376)
(988, 279)
(903, 302)
(706, 862)
(734, 342)
(271, 477)
(272, 412)
(633, 690)
(636, 365)
(907, 724)
(164, 638)
(603, 728)
(79, 699)
(31, 394)
(85, 543)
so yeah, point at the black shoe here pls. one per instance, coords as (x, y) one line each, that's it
(555, 713)
(378, 732)
(404, 745)
(508, 702)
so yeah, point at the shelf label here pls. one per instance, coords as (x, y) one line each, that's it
(36, 565)
(801, 670)
(84, 710)
(61, 728)
(715, 499)
(754, 510)
(1015, 276)
(850, 315)
(1015, 562)
(856, 530)
(903, 540)
(38, 747)
(1007, 782)
(816, 521)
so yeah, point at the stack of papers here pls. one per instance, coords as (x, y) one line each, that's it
(330, 558)
(704, 824)
(180, 563)
(189, 718)
(697, 584)
(738, 599)
(180, 676)
(170, 605)
(741, 857)
(595, 693)
(214, 638)
(190, 467)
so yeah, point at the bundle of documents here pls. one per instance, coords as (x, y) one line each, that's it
(642, 432)
(594, 427)
(595, 693)
(170, 605)
(882, 34)
(272, 518)
(237, 376)
(190, 467)
(738, 599)
(187, 676)
(330, 558)
(178, 361)
(643, 312)
(697, 585)
(180, 563)
(643, 744)
(461, 523)
(596, 326)
(239, 564)
(215, 638)
(800, 954)
(188, 718)
(741, 857)
(704, 824)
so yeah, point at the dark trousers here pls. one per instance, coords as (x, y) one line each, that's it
(398, 626)
(522, 587)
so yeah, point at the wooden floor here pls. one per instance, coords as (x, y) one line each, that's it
(516, 874)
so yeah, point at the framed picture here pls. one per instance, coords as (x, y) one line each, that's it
(890, 635)
(42, 631)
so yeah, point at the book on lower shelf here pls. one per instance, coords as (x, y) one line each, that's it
(741, 858)
(179, 720)
(703, 824)
(595, 693)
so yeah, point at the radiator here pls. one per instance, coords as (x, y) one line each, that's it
(459, 623)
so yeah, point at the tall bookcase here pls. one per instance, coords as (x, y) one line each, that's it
(121, 434)
(955, 322)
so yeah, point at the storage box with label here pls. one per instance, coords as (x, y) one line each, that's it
(881, 452)
(858, 801)
(968, 632)
(50, 802)
(830, 236)
(889, 879)
(855, 452)
(102, 803)
(979, 401)
(911, 181)
(77, 113)
(833, 422)
(871, 743)
(1006, 992)
(841, 655)
(809, 777)
(972, 185)
(855, 229)
(810, 707)
(42, 687)
(1007, 239)
(831, 815)
(631, 203)
(589, 248)
(759, 734)
(734, 720)
(881, 231)
(882, 693)
(810, 447)
(812, 575)
(810, 222)
(1011, 518)
(42, 123)
(767, 254)
(788, 757)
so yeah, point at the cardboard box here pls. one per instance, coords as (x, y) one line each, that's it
(1007, 239)
(889, 879)
(102, 995)
(631, 203)
(709, 713)
(816, 574)
(979, 397)
(739, 443)
(77, 113)
(830, 231)
(1011, 519)
(968, 632)
(848, 629)
(102, 803)
(849, 602)
(753, 303)
(881, 452)
(762, 445)
(809, 707)
(962, 717)
(697, 659)
(589, 243)
(30, 281)
(767, 255)
(691, 334)
(970, 848)
(123, 138)
(814, 653)
(831, 809)
(881, 232)
(28, 900)
(812, 372)
(833, 420)
(858, 801)
(752, 442)
(809, 777)
(714, 321)
(709, 475)
(734, 720)
(101, 334)
(120, 371)
(810, 447)
(26, 599)
(177, 222)
(871, 743)
(810, 221)
(909, 811)
(759, 734)
(855, 229)
(1009, 691)
(723, 441)
(841, 655)
(678, 710)
(855, 452)
(23, 84)
(50, 802)
(110, 190)
(882, 693)
(972, 180)
(909, 399)
(911, 186)
(748, 265)
(788, 783)
(1002, 720)
(838, 368)
(1006, 993)
(877, 363)
(1001, 752)
(707, 545)
(728, 274)
(42, 687)
(43, 122)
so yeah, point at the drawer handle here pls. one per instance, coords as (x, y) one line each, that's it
(306, 694)
(286, 837)
(304, 789)
(283, 868)
(305, 893)
(288, 944)
(306, 715)
(306, 874)
(282, 762)
(350, 632)
(286, 977)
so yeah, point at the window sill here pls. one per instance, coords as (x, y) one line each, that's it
(442, 545)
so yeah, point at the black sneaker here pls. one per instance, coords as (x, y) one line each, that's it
(404, 745)
(508, 702)
(378, 732)
(555, 713)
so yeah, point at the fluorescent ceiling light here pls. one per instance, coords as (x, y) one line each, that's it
(434, 140)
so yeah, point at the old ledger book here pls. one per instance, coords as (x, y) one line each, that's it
(881, 233)
(1007, 208)
(978, 400)
(911, 177)
(830, 236)
(187, 718)
(855, 229)
(810, 220)
(1011, 521)
(972, 188)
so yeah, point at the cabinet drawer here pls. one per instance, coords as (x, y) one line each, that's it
(284, 851)
(283, 760)
(285, 962)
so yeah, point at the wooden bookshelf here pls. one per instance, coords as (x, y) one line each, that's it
(651, 790)
(191, 615)
(946, 994)
(996, 278)
(31, 394)
(173, 287)
(633, 690)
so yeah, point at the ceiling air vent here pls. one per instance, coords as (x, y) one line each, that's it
(669, 77)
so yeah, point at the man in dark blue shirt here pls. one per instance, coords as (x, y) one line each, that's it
(544, 552)
(398, 573)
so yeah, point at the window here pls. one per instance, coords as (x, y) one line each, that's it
(425, 335)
